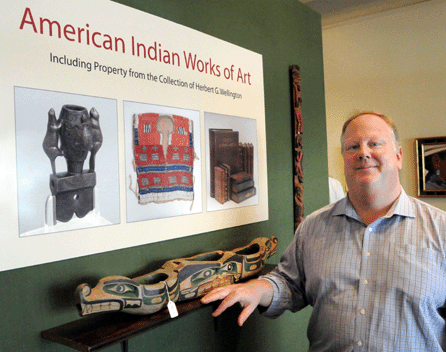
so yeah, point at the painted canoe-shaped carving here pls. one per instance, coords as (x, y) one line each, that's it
(177, 280)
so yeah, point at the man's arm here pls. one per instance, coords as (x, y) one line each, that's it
(250, 295)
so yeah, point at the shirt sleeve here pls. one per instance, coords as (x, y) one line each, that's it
(288, 280)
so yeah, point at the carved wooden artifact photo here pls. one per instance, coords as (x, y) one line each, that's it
(75, 134)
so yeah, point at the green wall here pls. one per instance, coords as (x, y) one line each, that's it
(285, 32)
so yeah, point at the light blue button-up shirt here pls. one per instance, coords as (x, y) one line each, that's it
(380, 287)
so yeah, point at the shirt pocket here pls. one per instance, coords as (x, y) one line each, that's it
(417, 273)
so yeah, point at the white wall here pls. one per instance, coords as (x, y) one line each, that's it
(393, 63)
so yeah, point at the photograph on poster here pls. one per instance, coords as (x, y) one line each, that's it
(67, 161)
(163, 164)
(231, 161)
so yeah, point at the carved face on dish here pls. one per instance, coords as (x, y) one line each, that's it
(119, 293)
(196, 279)
(112, 293)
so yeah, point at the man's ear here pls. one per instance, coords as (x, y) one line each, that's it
(399, 157)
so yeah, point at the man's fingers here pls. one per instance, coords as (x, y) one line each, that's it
(230, 299)
(217, 294)
(249, 295)
(221, 308)
(246, 312)
(221, 293)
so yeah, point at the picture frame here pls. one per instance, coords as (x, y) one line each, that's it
(431, 166)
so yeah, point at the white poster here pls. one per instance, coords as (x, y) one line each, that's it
(120, 128)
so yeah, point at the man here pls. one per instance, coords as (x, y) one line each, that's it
(372, 265)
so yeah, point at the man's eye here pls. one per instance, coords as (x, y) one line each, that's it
(351, 147)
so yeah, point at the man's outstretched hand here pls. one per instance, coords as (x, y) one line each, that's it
(249, 295)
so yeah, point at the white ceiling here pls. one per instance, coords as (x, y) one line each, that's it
(337, 11)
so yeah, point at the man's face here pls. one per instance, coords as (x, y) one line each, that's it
(439, 163)
(370, 156)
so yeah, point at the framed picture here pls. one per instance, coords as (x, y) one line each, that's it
(431, 170)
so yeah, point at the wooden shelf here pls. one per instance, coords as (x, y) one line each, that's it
(96, 332)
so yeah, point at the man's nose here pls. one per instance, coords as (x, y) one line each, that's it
(363, 152)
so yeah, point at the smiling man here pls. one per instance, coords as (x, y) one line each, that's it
(371, 265)
(372, 160)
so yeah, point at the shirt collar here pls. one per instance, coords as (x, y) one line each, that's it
(402, 207)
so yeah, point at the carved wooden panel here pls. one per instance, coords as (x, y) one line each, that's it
(298, 173)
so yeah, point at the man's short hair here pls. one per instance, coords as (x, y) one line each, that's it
(386, 119)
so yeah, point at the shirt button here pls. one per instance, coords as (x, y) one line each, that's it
(366, 282)
(359, 343)
(362, 311)
(368, 254)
